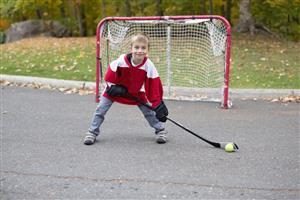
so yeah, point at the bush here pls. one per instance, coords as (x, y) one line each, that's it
(2, 37)
(282, 17)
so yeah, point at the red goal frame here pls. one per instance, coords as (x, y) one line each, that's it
(225, 101)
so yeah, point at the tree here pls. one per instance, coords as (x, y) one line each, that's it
(281, 16)
(127, 8)
(228, 10)
(103, 8)
(39, 12)
(82, 16)
(210, 7)
(81, 19)
(202, 7)
(79, 14)
(246, 22)
(159, 8)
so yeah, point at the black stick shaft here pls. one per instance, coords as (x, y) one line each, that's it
(215, 144)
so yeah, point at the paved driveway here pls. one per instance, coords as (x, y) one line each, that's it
(42, 155)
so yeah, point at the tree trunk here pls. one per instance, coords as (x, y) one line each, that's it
(142, 6)
(202, 7)
(228, 10)
(62, 12)
(210, 7)
(159, 9)
(128, 8)
(246, 22)
(38, 13)
(223, 12)
(103, 8)
(80, 16)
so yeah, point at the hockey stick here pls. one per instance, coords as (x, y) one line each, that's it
(221, 145)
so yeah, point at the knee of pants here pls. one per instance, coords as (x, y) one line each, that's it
(100, 113)
(100, 110)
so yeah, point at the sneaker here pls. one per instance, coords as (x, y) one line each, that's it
(161, 137)
(89, 139)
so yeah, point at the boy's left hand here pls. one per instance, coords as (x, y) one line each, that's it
(161, 112)
(116, 91)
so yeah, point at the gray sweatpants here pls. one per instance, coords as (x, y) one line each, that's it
(104, 106)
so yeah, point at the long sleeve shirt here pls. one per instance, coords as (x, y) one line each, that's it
(142, 81)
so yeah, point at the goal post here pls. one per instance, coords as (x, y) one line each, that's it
(191, 53)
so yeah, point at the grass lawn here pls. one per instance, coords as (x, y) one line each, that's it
(263, 62)
(257, 62)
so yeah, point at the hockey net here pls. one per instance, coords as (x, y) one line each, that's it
(191, 53)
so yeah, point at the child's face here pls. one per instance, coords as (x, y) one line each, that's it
(139, 50)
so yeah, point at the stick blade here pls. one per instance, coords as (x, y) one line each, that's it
(223, 144)
(235, 146)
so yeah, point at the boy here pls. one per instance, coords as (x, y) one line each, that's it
(134, 75)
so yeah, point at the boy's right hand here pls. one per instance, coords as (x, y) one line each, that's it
(116, 90)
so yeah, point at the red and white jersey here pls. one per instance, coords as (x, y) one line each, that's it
(141, 81)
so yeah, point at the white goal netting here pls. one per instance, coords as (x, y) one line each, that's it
(189, 54)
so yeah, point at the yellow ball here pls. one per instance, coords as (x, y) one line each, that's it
(229, 147)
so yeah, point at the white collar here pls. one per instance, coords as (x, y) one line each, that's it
(132, 63)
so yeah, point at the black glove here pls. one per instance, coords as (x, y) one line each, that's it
(161, 112)
(116, 90)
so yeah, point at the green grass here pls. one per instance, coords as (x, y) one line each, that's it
(257, 62)
(264, 62)
(71, 58)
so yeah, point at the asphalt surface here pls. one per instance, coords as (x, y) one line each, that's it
(43, 157)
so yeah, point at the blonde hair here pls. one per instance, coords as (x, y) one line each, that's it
(140, 37)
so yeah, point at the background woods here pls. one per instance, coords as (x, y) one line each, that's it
(280, 17)
(257, 62)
